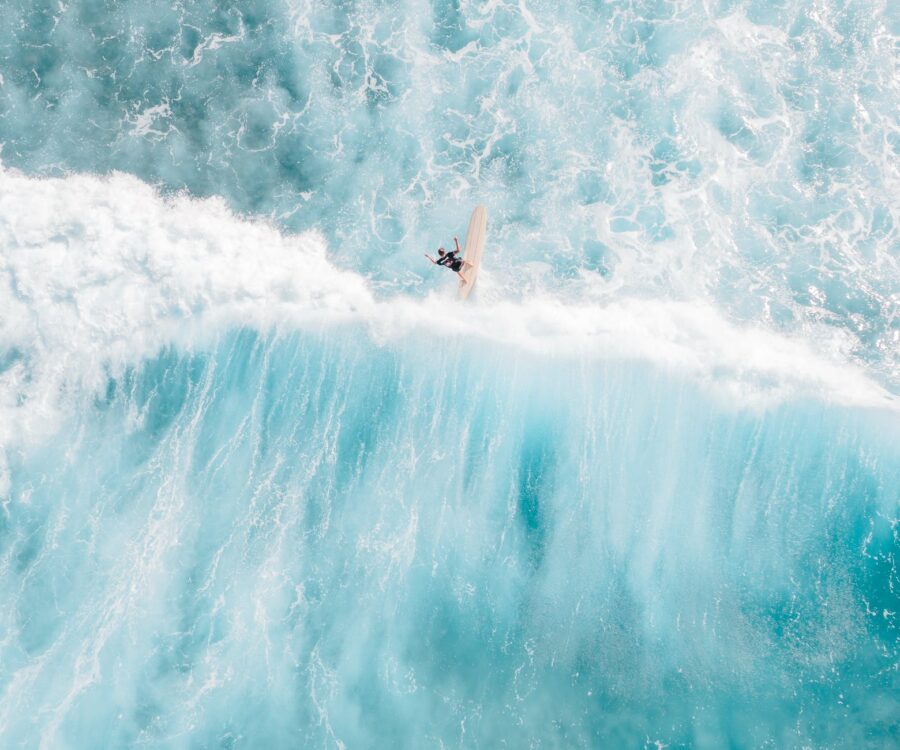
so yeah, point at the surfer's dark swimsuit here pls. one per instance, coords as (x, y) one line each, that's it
(451, 261)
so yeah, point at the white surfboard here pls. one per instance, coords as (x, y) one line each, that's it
(473, 250)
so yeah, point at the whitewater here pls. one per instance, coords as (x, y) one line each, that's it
(264, 483)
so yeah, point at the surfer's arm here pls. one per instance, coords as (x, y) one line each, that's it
(430, 258)
(458, 248)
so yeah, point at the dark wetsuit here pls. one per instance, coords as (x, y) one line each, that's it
(451, 261)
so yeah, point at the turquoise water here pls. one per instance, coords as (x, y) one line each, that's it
(264, 484)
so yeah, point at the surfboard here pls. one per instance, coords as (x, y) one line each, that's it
(473, 250)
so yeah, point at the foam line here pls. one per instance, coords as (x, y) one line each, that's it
(100, 273)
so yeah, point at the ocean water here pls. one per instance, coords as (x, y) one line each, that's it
(265, 484)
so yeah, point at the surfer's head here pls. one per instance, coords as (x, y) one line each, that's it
(441, 251)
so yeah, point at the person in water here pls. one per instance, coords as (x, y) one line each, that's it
(451, 260)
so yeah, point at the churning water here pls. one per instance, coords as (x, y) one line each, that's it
(263, 483)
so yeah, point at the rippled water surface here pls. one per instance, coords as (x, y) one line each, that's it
(265, 484)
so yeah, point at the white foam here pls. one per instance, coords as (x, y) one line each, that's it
(750, 367)
(99, 273)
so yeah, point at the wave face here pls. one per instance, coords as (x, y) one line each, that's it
(263, 485)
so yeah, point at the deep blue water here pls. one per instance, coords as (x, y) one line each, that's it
(264, 483)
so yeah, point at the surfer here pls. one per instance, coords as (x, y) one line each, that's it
(451, 260)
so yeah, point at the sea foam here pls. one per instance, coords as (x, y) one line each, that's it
(238, 478)
(104, 272)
